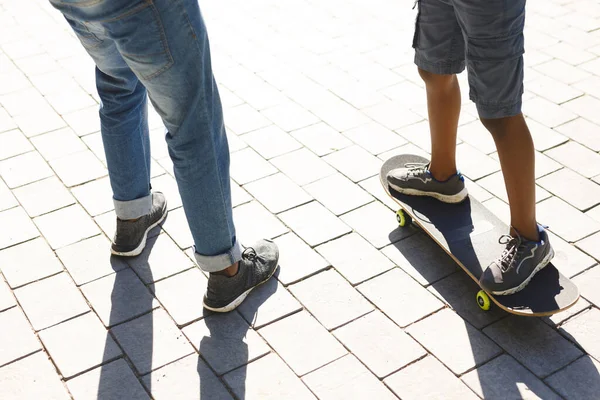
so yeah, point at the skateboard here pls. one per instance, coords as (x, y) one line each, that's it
(469, 233)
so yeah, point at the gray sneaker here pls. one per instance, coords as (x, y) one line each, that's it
(518, 263)
(130, 236)
(258, 264)
(415, 179)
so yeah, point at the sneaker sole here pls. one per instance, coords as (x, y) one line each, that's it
(446, 198)
(235, 303)
(138, 250)
(537, 269)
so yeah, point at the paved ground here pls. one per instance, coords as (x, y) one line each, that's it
(316, 95)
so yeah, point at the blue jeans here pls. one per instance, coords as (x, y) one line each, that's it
(487, 36)
(159, 49)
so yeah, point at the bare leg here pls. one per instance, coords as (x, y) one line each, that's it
(517, 159)
(443, 105)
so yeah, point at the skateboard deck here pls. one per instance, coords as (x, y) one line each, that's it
(469, 233)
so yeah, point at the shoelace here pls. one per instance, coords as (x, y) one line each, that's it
(249, 254)
(512, 251)
(415, 169)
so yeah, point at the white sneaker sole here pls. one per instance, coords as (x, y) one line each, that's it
(235, 303)
(537, 269)
(446, 198)
(138, 250)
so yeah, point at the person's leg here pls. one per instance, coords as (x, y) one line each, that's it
(165, 44)
(124, 129)
(495, 47)
(439, 56)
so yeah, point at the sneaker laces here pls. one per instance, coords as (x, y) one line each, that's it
(249, 254)
(415, 169)
(512, 252)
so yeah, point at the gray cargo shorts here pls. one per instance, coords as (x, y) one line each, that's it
(484, 35)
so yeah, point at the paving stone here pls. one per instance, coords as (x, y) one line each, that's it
(428, 379)
(95, 196)
(579, 380)
(354, 162)
(28, 262)
(331, 299)
(271, 141)
(379, 343)
(21, 227)
(533, 343)
(338, 194)
(21, 101)
(547, 113)
(578, 158)
(6, 122)
(346, 378)
(176, 226)
(583, 132)
(420, 257)
(66, 226)
(55, 196)
(57, 144)
(244, 119)
(285, 196)
(354, 258)
(267, 379)
(7, 200)
(321, 139)
(188, 378)
(553, 90)
(375, 138)
(33, 377)
(377, 224)
(314, 223)
(94, 143)
(473, 163)
(248, 166)
(373, 186)
(90, 259)
(84, 121)
(26, 168)
(7, 300)
(77, 168)
(573, 188)
(79, 344)
(585, 106)
(340, 115)
(161, 258)
(562, 71)
(112, 381)
(290, 116)
(476, 135)
(71, 99)
(51, 301)
(226, 341)
(19, 340)
(181, 295)
(558, 319)
(296, 259)
(302, 166)
(564, 220)
(494, 183)
(417, 134)
(405, 307)
(119, 297)
(392, 115)
(302, 342)
(39, 120)
(544, 137)
(504, 378)
(13, 143)
(239, 196)
(152, 341)
(583, 330)
(253, 222)
(461, 348)
(267, 303)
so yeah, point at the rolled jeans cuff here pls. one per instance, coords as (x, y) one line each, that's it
(221, 261)
(133, 209)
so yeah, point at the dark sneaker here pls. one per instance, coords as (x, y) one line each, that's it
(257, 265)
(130, 237)
(518, 263)
(415, 179)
